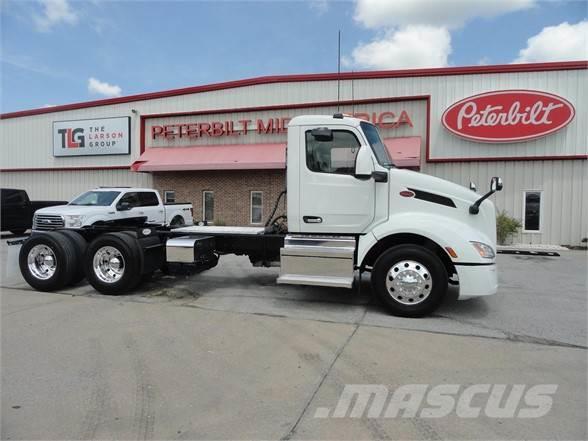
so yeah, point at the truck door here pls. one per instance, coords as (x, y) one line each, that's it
(332, 199)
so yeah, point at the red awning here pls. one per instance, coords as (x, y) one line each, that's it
(405, 152)
(212, 157)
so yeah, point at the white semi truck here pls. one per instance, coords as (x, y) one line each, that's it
(349, 210)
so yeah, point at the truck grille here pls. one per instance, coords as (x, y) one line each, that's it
(47, 222)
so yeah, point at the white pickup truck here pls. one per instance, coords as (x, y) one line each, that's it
(105, 204)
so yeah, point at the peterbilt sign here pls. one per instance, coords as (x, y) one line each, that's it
(508, 116)
(105, 136)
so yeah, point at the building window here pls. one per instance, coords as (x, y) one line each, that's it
(532, 211)
(256, 204)
(208, 206)
(169, 197)
(335, 156)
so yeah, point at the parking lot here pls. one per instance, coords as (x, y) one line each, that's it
(227, 353)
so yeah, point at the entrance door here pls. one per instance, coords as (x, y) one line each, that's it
(332, 199)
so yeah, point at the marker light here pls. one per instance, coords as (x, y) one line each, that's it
(451, 252)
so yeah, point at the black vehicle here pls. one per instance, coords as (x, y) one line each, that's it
(17, 210)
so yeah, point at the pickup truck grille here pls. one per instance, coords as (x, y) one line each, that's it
(47, 222)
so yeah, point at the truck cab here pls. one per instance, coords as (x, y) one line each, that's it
(350, 208)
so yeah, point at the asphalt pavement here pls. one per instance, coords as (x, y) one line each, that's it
(228, 354)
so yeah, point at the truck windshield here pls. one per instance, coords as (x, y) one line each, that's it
(373, 137)
(96, 198)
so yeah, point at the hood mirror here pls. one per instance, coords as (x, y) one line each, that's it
(322, 134)
(473, 186)
(495, 185)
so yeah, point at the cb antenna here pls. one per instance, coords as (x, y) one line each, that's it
(338, 70)
(352, 95)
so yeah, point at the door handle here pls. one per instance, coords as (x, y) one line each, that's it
(312, 219)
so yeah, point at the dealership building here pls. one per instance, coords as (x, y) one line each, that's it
(222, 146)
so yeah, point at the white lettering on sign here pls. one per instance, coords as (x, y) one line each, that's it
(493, 115)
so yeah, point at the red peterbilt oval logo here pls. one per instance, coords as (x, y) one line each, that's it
(508, 116)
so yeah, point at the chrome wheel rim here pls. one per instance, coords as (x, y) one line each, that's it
(42, 262)
(409, 282)
(109, 264)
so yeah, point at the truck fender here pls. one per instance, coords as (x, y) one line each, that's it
(431, 227)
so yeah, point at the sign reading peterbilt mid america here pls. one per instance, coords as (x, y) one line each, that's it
(260, 126)
(105, 136)
(508, 116)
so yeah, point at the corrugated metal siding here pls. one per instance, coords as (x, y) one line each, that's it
(64, 185)
(564, 185)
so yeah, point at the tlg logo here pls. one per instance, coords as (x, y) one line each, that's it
(72, 138)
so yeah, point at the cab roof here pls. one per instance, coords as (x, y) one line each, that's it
(327, 120)
(122, 189)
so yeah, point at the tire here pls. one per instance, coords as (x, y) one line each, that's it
(79, 244)
(177, 222)
(110, 276)
(19, 232)
(410, 280)
(47, 261)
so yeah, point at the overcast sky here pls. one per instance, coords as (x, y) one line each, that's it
(63, 51)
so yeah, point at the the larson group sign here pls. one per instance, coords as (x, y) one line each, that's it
(508, 116)
(105, 136)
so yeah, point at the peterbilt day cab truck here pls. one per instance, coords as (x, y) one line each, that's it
(348, 210)
(107, 205)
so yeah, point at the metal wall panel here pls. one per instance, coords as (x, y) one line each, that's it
(564, 186)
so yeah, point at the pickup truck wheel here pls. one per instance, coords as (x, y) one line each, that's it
(177, 222)
(411, 280)
(112, 264)
(79, 244)
(47, 261)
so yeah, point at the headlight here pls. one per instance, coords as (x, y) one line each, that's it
(74, 221)
(485, 251)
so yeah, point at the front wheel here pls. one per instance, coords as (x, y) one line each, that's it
(411, 280)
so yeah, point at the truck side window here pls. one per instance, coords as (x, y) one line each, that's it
(13, 197)
(335, 156)
(131, 198)
(148, 199)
